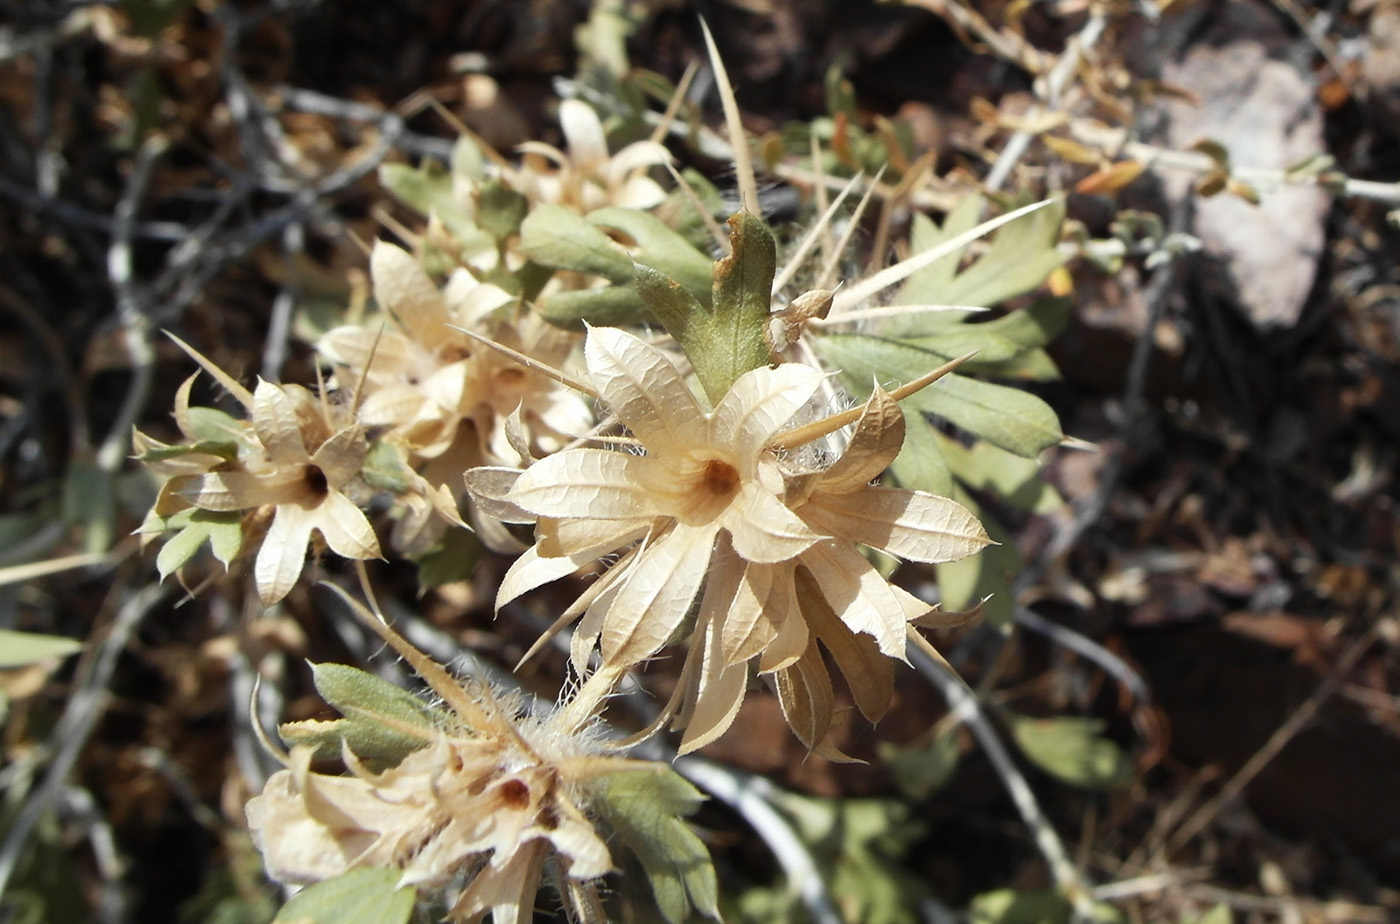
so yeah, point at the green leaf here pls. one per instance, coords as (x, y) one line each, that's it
(1072, 749)
(655, 244)
(378, 718)
(89, 501)
(357, 896)
(1015, 420)
(1012, 478)
(211, 425)
(921, 771)
(614, 306)
(430, 191)
(1036, 325)
(500, 209)
(386, 468)
(223, 530)
(988, 574)
(225, 449)
(1042, 906)
(453, 559)
(561, 238)
(1021, 255)
(20, 648)
(644, 809)
(1010, 418)
(920, 464)
(1220, 914)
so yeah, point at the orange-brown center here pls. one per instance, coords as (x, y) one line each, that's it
(315, 481)
(719, 478)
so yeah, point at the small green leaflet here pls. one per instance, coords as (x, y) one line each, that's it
(20, 648)
(645, 809)
(378, 717)
(1071, 749)
(357, 896)
(223, 530)
(1041, 906)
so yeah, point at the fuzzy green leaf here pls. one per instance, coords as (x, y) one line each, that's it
(985, 576)
(20, 648)
(561, 238)
(430, 191)
(1072, 749)
(1036, 325)
(386, 468)
(644, 809)
(453, 559)
(378, 723)
(223, 530)
(1015, 420)
(357, 896)
(614, 306)
(655, 244)
(1015, 479)
(920, 464)
(500, 209)
(920, 771)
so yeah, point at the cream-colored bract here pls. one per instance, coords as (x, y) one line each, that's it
(712, 511)
(490, 796)
(301, 475)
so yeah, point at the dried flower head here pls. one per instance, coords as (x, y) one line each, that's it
(710, 503)
(481, 792)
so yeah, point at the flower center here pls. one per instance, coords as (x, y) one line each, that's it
(719, 478)
(315, 481)
(515, 794)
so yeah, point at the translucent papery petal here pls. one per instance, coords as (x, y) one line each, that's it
(909, 524)
(346, 528)
(395, 405)
(759, 403)
(860, 597)
(470, 301)
(341, 457)
(639, 192)
(793, 635)
(295, 847)
(763, 529)
(447, 387)
(751, 623)
(583, 133)
(722, 688)
(644, 390)
(384, 351)
(534, 568)
(507, 891)
(283, 552)
(805, 696)
(637, 154)
(869, 674)
(547, 151)
(277, 425)
(489, 487)
(588, 537)
(577, 839)
(659, 590)
(244, 490)
(404, 289)
(597, 483)
(877, 439)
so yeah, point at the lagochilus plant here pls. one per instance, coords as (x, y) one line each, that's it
(588, 385)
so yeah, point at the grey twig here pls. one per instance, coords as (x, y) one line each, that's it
(80, 715)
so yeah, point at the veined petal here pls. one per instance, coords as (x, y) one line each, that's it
(243, 490)
(877, 439)
(639, 192)
(659, 590)
(783, 610)
(764, 530)
(721, 693)
(276, 424)
(346, 528)
(535, 568)
(283, 552)
(860, 597)
(910, 524)
(489, 486)
(644, 390)
(637, 154)
(341, 457)
(583, 133)
(469, 300)
(357, 346)
(401, 287)
(804, 693)
(393, 405)
(596, 483)
(759, 403)
(587, 535)
(869, 674)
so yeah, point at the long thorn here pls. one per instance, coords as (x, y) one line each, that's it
(797, 436)
(563, 378)
(240, 394)
(743, 164)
